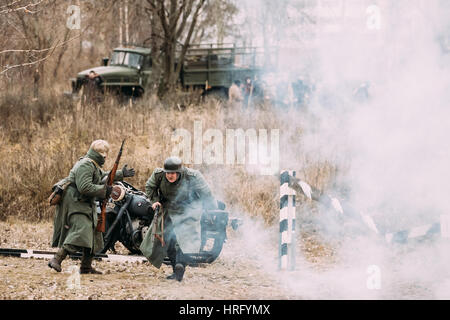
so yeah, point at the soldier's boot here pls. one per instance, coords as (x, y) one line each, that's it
(172, 276)
(86, 263)
(180, 265)
(179, 271)
(55, 262)
(172, 255)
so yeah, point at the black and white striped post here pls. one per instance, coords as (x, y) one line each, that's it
(286, 255)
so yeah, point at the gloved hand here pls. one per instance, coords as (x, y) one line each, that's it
(127, 172)
(108, 191)
(156, 204)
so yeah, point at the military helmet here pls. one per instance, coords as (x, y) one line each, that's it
(173, 164)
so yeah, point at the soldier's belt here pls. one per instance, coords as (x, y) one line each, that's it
(79, 196)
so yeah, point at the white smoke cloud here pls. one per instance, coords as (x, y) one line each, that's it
(395, 142)
(393, 148)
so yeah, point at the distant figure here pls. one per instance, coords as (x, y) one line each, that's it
(257, 94)
(235, 93)
(301, 91)
(93, 86)
(248, 91)
(361, 94)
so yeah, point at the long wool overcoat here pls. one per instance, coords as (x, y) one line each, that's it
(182, 206)
(76, 215)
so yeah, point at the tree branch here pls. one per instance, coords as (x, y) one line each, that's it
(174, 23)
(189, 35)
(151, 3)
(24, 8)
(186, 15)
(27, 63)
(10, 4)
(51, 49)
(41, 50)
(162, 17)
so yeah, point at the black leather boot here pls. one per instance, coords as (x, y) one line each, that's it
(180, 266)
(86, 263)
(172, 276)
(55, 262)
(172, 255)
(179, 271)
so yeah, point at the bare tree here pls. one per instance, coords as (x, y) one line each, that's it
(37, 43)
(35, 36)
(217, 22)
(33, 41)
(178, 19)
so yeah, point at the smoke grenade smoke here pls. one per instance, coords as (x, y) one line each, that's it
(380, 114)
(393, 143)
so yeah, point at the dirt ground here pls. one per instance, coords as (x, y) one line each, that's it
(234, 275)
(246, 269)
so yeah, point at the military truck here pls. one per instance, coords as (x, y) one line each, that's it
(206, 66)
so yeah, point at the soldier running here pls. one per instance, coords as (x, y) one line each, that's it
(76, 215)
(180, 193)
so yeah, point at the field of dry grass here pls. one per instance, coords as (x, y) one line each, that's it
(42, 139)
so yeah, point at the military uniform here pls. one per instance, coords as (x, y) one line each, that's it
(182, 202)
(234, 94)
(76, 215)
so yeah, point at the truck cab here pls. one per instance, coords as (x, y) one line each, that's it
(126, 72)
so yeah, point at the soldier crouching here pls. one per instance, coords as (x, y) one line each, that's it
(180, 193)
(76, 215)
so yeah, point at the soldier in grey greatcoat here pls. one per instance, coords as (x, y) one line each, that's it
(181, 194)
(74, 226)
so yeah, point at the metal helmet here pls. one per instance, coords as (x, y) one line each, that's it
(173, 164)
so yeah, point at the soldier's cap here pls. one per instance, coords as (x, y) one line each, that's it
(173, 164)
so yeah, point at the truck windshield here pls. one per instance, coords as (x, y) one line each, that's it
(126, 58)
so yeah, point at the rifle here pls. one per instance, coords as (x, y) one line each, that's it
(102, 219)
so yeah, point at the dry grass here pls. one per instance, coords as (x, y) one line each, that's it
(43, 139)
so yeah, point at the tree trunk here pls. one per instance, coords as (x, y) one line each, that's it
(120, 24)
(173, 29)
(61, 53)
(127, 37)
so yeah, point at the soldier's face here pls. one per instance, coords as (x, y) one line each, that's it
(171, 176)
